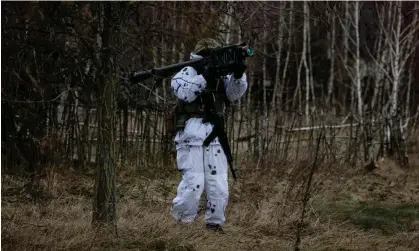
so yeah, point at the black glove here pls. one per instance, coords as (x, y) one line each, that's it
(238, 70)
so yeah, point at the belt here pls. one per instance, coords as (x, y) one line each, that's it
(195, 115)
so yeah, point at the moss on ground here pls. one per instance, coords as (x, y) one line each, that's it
(389, 218)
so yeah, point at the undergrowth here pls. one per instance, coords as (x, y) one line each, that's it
(263, 212)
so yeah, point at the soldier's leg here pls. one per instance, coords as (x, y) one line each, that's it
(216, 184)
(190, 163)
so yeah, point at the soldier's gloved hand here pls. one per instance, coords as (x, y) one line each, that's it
(238, 70)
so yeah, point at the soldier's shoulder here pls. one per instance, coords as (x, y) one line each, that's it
(188, 71)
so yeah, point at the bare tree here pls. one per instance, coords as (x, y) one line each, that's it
(104, 211)
(332, 37)
(306, 45)
(279, 43)
(357, 80)
(81, 67)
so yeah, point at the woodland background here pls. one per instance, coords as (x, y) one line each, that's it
(331, 84)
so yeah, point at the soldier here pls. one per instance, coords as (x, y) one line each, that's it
(203, 168)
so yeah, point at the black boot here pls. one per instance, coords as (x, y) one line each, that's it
(214, 227)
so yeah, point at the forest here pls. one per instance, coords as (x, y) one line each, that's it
(325, 138)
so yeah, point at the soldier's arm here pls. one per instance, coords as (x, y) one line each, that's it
(187, 85)
(235, 88)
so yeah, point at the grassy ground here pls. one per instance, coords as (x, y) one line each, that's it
(350, 209)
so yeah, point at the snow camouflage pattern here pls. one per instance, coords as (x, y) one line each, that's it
(202, 168)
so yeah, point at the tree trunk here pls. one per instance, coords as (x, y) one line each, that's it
(304, 59)
(278, 58)
(396, 71)
(357, 64)
(104, 201)
(332, 60)
(287, 59)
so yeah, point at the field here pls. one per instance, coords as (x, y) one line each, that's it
(325, 134)
(349, 209)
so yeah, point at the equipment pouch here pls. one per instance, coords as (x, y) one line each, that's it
(170, 122)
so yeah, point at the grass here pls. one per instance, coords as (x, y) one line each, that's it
(262, 214)
(389, 219)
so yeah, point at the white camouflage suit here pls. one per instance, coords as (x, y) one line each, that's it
(202, 168)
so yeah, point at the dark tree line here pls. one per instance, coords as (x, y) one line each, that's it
(66, 98)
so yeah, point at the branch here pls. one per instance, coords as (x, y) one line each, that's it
(309, 128)
(344, 28)
(379, 64)
(40, 101)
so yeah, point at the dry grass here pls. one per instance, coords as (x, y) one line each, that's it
(349, 210)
